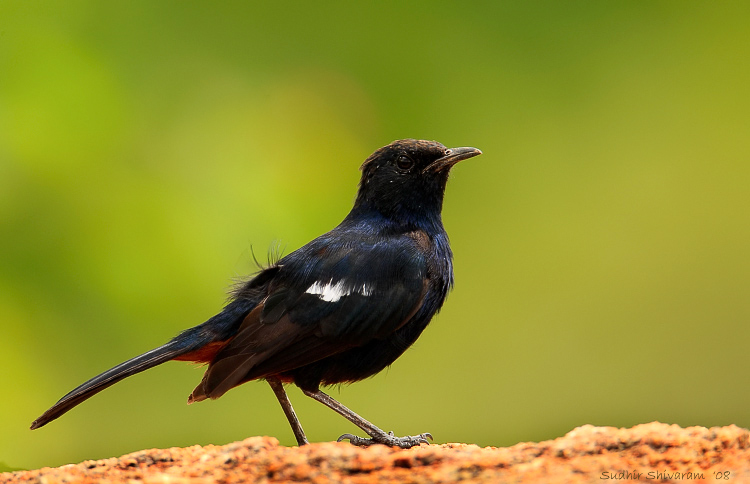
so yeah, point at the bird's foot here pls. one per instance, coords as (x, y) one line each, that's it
(388, 439)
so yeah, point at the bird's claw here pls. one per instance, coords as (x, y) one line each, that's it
(388, 439)
(355, 440)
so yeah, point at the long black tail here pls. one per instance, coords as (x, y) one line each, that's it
(110, 377)
(219, 328)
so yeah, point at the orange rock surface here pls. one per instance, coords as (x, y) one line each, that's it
(652, 452)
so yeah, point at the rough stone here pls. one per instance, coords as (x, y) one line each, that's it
(653, 452)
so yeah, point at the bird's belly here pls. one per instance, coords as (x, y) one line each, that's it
(360, 362)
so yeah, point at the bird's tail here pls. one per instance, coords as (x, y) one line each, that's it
(216, 329)
(110, 377)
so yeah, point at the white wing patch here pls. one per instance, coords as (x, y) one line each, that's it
(331, 292)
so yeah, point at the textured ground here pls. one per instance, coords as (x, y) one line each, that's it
(652, 452)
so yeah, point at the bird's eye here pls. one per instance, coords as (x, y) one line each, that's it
(404, 163)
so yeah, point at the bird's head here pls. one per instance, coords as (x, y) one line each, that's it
(406, 180)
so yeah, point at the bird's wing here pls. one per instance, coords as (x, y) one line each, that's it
(326, 298)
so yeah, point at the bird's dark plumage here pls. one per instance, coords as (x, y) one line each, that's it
(339, 309)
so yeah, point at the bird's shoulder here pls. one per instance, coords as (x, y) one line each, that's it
(352, 271)
(354, 252)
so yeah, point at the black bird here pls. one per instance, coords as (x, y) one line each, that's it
(338, 310)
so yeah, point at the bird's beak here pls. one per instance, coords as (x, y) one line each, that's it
(452, 156)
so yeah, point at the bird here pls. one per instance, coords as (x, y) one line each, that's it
(337, 310)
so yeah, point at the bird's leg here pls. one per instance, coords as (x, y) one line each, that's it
(377, 436)
(286, 405)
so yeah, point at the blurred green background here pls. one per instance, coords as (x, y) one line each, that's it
(601, 241)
